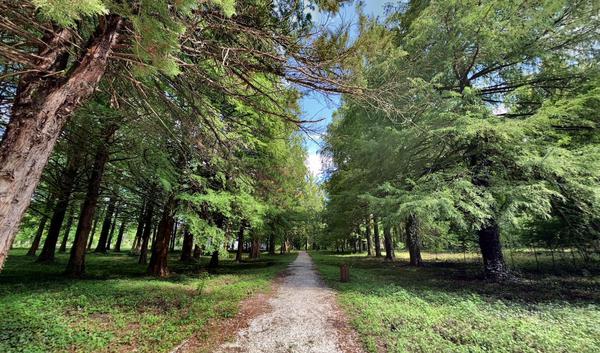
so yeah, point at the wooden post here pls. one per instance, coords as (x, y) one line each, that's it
(344, 273)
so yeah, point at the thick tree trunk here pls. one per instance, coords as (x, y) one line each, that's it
(76, 265)
(368, 236)
(376, 238)
(388, 243)
(255, 250)
(43, 103)
(214, 260)
(146, 234)
(120, 236)
(188, 246)
(38, 236)
(272, 244)
(101, 246)
(495, 268)
(63, 243)
(240, 247)
(413, 241)
(160, 252)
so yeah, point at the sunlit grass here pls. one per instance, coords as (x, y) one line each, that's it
(446, 307)
(118, 308)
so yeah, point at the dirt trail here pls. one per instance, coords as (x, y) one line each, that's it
(304, 319)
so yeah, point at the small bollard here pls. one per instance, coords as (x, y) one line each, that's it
(344, 273)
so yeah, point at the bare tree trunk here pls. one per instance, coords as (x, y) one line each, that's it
(173, 237)
(272, 244)
(413, 241)
(101, 246)
(160, 252)
(120, 236)
(388, 243)
(240, 247)
(76, 265)
(137, 240)
(376, 237)
(368, 236)
(97, 217)
(38, 236)
(112, 230)
(491, 250)
(146, 235)
(188, 246)
(255, 253)
(60, 209)
(44, 102)
(63, 243)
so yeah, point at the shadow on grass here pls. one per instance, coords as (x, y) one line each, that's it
(454, 278)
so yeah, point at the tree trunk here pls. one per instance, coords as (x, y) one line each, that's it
(214, 260)
(63, 243)
(240, 247)
(97, 217)
(120, 236)
(101, 247)
(160, 252)
(368, 236)
(137, 240)
(146, 235)
(76, 265)
(376, 237)
(44, 101)
(112, 230)
(388, 243)
(38, 236)
(173, 237)
(188, 246)
(413, 241)
(495, 268)
(60, 209)
(272, 244)
(255, 253)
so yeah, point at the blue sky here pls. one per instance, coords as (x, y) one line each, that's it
(317, 106)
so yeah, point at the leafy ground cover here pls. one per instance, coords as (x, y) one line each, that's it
(117, 308)
(447, 307)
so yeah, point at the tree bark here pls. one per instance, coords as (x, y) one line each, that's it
(60, 209)
(173, 237)
(368, 236)
(38, 236)
(240, 247)
(255, 251)
(388, 244)
(413, 241)
(106, 224)
(137, 240)
(160, 251)
(120, 236)
(188, 246)
(44, 102)
(272, 244)
(376, 237)
(63, 243)
(97, 217)
(112, 230)
(495, 268)
(76, 265)
(146, 234)
(214, 260)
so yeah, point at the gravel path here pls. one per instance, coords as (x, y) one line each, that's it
(304, 319)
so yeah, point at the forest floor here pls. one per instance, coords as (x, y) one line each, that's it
(116, 308)
(303, 318)
(447, 307)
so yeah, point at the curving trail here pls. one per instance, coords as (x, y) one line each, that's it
(304, 319)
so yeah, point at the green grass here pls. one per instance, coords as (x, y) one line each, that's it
(118, 308)
(446, 307)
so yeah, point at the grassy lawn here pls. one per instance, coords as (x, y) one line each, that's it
(446, 307)
(117, 308)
